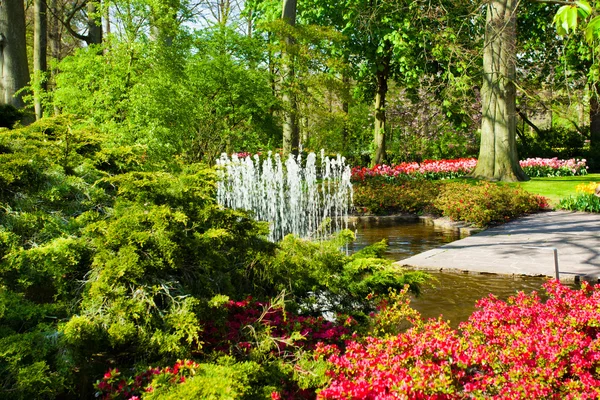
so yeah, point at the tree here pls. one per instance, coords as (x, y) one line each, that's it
(14, 70)
(291, 136)
(89, 11)
(498, 159)
(39, 54)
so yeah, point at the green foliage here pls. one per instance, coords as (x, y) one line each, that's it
(581, 202)
(194, 98)
(377, 197)
(319, 277)
(484, 203)
(479, 204)
(561, 142)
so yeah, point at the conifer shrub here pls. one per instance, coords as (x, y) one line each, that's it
(109, 260)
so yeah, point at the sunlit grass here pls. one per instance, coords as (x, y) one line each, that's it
(554, 188)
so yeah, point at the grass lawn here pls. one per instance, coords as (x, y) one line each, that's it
(556, 188)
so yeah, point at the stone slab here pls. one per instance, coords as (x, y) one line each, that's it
(506, 249)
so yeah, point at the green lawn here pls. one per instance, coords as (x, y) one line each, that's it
(553, 188)
(556, 188)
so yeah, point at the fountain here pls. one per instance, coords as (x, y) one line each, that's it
(306, 201)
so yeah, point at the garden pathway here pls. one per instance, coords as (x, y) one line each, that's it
(505, 249)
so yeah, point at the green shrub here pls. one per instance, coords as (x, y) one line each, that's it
(376, 197)
(582, 202)
(484, 203)
(479, 204)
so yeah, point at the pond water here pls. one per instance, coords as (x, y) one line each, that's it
(451, 294)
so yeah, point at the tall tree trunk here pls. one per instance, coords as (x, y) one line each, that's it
(54, 36)
(39, 54)
(594, 155)
(345, 109)
(383, 74)
(94, 24)
(54, 42)
(13, 52)
(106, 19)
(249, 27)
(291, 134)
(498, 159)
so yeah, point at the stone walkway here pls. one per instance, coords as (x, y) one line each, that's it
(505, 249)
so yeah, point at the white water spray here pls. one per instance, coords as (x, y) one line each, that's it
(306, 201)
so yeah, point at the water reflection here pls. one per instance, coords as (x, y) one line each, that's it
(405, 237)
(452, 294)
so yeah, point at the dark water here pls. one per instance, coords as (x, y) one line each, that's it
(452, 295)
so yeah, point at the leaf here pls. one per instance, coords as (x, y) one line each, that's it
(584, 8)
(560, 19)
(572, 18)
(592, 28)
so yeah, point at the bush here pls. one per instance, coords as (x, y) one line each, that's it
(479, 204)
(484, 203)
(524, 348)
(378, 197)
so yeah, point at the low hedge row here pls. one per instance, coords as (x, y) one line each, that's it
(479, 204)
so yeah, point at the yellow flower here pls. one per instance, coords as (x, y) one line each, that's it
(586, 187)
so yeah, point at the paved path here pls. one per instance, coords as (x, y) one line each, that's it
(502, 249)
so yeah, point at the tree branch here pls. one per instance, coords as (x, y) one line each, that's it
(558, 2)
(67, 23)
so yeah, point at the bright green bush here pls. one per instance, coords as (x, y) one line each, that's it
(581, 202)
(107, 259)
(484, 203)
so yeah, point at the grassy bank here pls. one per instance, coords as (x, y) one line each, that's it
(556, 188)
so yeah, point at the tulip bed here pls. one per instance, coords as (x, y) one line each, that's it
(449, 169)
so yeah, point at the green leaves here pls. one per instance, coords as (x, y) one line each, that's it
(568, 18)
(592, 29)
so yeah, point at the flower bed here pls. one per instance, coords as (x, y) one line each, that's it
(428, 169)
(520, 349)
(448, 169)
(584, 199)
(542, 167)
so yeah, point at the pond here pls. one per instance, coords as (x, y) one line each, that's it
(452, 294)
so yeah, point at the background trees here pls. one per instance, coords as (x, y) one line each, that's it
(382, 81)
(14, 70)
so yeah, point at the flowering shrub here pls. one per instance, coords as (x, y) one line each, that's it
(535, 167)
(520, 349)
(479, 204)
(448, 169)
(253, 325)
(484, 202)
(114, 385)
